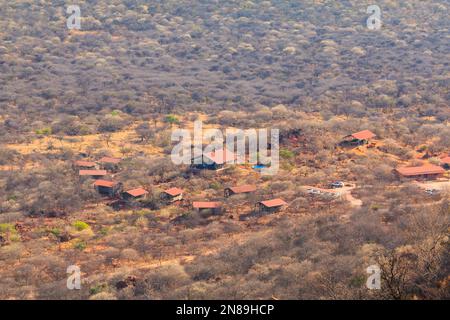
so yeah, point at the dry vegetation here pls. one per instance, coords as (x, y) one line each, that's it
(139, 69)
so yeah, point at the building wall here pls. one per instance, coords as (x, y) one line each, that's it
(214, 211)
(263, 208)
(109, 191)
(167, 197)
(424, 176)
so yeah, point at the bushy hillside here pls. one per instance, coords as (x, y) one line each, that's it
(142, 57)
(139, 69)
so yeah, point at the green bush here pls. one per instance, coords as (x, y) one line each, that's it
(171, 119)
(286, 154)
(55, 231)
(44, 131)
(104, 231)
(97, 288)
(357, 281)
(215, 185)
(80, 225)
(7, 227)
(81, 245)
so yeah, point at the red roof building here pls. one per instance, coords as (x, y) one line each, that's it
(109, 188)
(273, 205)
(174, 192)
(214, 160)
(363, 135)
(426, 171)
(220, 156)
(136, 193)
(206, 205)
(239, 190)
(85, 164)
(358, 138)
(445, 161)
(105, 183)
(214, 207)
(93, 173)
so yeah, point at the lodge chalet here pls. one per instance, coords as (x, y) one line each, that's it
(172, 195)
(358, 138)
(109, 163)
(96, 174)
(85, 165)
(135, 194)
(426, 172)
(273, 205)
(214, 160)
(245, 189)
(209, 206)
(108, 188)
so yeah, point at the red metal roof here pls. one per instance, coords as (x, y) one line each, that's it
(220, 156)
(86, 164)
(105, 183)
(110, 160)
(137, 192)
(273, 203)
(416, 171)
(93, 172)
(206, 205)
(363, 135)
(243, 189)
(445, 160)
(174, 191)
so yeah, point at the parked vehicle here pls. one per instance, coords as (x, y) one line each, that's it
(314, 191)
(432, 192)
(337, 184)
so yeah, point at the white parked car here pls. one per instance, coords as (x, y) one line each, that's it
(431, 192)
(314, 191)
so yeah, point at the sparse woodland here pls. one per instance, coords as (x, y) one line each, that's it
(138, 69)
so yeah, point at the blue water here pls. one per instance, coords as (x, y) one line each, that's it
(258, 166)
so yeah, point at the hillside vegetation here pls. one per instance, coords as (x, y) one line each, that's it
(139, 69)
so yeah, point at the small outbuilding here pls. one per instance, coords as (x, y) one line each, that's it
(109, 163)
(213, 160)
(358, 138)
(273, 205)
(85, 165)
(239, 190)
(135, 194)
(172, 195)
(96, 174)
(108, 188)
(210, 206)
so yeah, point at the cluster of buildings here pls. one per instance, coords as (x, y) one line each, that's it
(216, 207)
(424, 172)
(102, 168)
(216, 161)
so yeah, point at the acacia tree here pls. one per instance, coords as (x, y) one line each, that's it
(144, 132)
